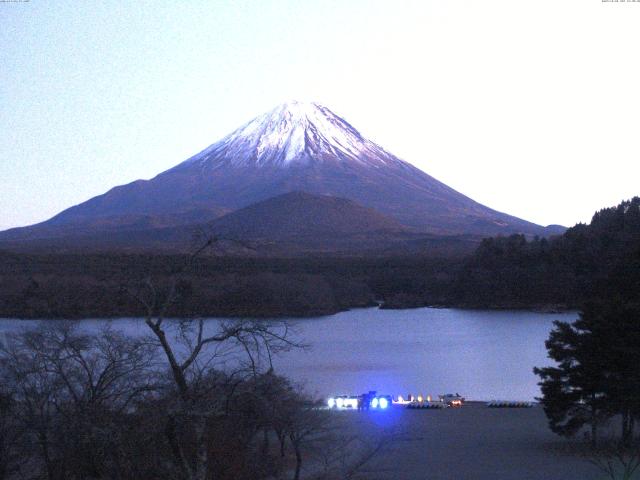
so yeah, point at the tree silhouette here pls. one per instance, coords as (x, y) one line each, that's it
(598, 369)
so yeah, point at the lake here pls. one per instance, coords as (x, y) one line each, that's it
(480, 354)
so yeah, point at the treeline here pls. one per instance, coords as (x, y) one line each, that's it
(563, 271)
(84, 286)
(596, 376)
(503, 272)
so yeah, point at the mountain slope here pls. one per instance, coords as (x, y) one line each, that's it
(289, 225)
(296, 223)
(295, 147)
(297, 215)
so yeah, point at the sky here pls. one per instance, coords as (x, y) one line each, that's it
(529, 107)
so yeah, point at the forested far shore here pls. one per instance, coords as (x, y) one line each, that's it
(81, 286)
(504, 272)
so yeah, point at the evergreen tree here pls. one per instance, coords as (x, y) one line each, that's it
(598, 368)
(573, 393)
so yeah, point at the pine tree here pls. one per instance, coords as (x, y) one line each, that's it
(598, 368)
(573, 395)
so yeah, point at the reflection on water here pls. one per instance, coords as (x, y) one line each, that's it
(480, 354)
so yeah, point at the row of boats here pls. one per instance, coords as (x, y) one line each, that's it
(373, 401)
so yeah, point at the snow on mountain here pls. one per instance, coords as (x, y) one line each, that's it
(294, 132)
(296, 147)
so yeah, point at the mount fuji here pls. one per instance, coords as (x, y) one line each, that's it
(296, 147)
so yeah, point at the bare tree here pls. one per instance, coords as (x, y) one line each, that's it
(192, 400)
(192, 349)
(617, 459)
(305, 422)
(344, 455)
(10, 434)
(68, 387)
(34, 390)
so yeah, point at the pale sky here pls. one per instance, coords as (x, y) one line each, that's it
(531, 107)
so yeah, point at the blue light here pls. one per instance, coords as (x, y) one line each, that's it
(374, 402)
(383, 402)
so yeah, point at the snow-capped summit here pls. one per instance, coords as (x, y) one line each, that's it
(296, 147)
(293, 132)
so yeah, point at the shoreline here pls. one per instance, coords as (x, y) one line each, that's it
(542, 309)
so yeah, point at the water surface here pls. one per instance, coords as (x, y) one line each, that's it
(480, 354)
